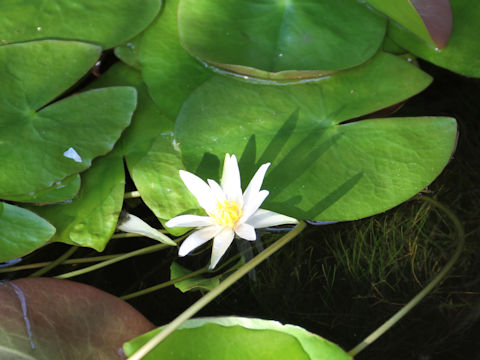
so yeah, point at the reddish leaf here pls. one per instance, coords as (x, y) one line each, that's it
(44, 318)
(437, 16)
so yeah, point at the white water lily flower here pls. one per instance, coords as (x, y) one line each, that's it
(229, 211)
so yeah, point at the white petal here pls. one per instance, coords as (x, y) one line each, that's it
(132, 224)
(220, 245)
(251, 206)
(217, 191)
(231, 183)
(189, 221)
(200, 190)
(198, 238)
(255, 184)
(265, 218)
(246, 231)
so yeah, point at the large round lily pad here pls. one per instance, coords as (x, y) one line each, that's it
(276, 36)
(322, 168)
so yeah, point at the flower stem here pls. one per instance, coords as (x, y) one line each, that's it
(69, 261)
(164, 284)
(143, 251)
(203, 301)
(55, 263)
(412, 303)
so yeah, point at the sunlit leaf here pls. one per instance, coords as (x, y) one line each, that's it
(46, 319)
(322, 168)
(276, 36)
(62, 190)
(462, 53)
(153, 159)
(40, 145)
(91, 217)
(107, 23)
(21, 231)
(170, 73)
(235, 338)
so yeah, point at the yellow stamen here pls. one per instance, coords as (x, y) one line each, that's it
(227, 213)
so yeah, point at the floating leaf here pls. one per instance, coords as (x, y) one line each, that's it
(107, 23)
(276, 36)
(152, 157)
(431, 20)
(170, 73)
(91, 218)
(21, 231)
(322, 168)
(236, 338)
(63, 137)
(62, 190)
(462, 53)
(45, 319)
(194, 283)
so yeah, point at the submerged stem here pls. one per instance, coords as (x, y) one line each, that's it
(55, 263)
(143, 251)
(164, 284)
(203, 301)
(412, 303)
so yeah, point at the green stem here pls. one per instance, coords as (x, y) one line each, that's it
(55, 263)
(203, 301)
(69, 261)
(405, 309)
(142, 251)
(164, 284)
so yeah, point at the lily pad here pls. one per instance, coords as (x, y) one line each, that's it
(22, 231)
(91, 218)
(44, 319)
(107, 23)
(462, 53)
(194, 283)
(152, 156)
(169, 71)
(322, 168)
(62, 190)
(276, 36)
(64, 136)
(431, 20)
(235, 338)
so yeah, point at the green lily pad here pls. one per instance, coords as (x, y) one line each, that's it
(235, 338)
(129, 52)
(62, 190)
(431, 20)
(277, 36)
(107, 23)
(462, 53)
(194, 283)
(322, 168)
(46, 319)
(22, 231)
(148, 145)
(64, 136)
(91, 218)
(169, 72)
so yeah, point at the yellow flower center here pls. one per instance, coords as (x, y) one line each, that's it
(227, 214)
